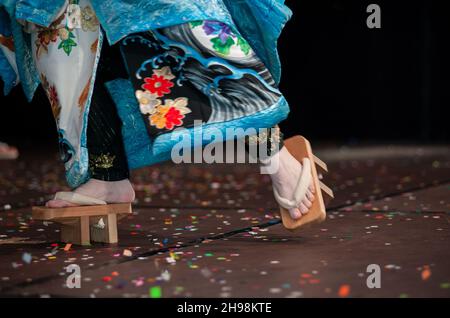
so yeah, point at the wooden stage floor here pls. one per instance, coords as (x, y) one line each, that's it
(213, 231)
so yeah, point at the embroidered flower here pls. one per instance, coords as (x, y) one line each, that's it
(173, 118)
(157, 85)
(221, 29)
(45, 36)
(67, 40)
(224, 40)
(52, 96)
(166, 117)
(180, 103)
(63, 34)
(54, 101)
(224, 37)
(147, 101)
(171, 114)
(158, 118)
(165, 72)
(89, 21)
(51, 34)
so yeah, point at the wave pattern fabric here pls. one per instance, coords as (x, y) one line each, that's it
(198, 72)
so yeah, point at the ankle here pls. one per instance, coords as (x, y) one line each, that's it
(271, 166)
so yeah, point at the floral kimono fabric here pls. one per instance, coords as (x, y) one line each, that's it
(186, 61)
(65, 55)
(198, 72)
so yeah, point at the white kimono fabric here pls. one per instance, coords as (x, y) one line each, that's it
(66, 54)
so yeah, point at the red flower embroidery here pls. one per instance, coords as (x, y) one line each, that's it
(170, 114)
(173, 118)
(166, 117)
(157, 85)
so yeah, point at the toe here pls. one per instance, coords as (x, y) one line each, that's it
(306, 202)
(295, 214)
(310, 195)
(303, 208)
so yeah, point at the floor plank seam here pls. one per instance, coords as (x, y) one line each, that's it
(48, 278)
(223, 235)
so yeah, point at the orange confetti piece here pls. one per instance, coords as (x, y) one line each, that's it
(67, 247)
(426, 273)
(344, 291)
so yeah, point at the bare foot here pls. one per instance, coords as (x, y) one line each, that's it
(110, 192)
(285, 179)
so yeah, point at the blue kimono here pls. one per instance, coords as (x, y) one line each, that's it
(259, 22)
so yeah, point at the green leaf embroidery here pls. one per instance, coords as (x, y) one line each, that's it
(243, 44)
(223, 48)
(68, 44)
(195, 24)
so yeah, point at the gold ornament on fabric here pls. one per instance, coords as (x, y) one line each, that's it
(104, 161)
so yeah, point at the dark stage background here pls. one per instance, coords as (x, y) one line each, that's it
(345, 82)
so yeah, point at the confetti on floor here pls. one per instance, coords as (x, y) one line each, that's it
(26, 257)
(155, 292)
(344, 291)
(127, 253)
(195, 232)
